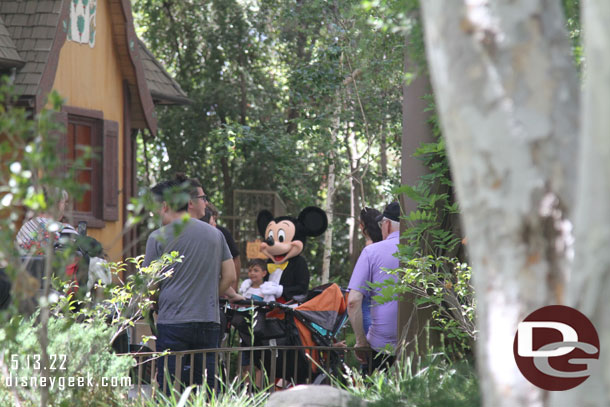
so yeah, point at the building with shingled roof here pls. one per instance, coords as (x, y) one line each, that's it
(88, 51)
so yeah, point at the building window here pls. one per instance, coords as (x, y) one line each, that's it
(86, 133)
(87, 129)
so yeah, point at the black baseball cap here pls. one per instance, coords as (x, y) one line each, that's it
(392, 212)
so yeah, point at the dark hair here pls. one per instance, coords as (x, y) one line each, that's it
(370, 226)
(262, 264)
(213, 209)
(208, 215)
(191, 183)
(176, 187)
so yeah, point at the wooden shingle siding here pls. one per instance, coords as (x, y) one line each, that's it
(32, 25)
(9, 57)
(163, 88)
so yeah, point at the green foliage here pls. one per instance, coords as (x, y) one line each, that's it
(66, 337)
(27, 146)
(432, 259)
(431, 227)
(75, 350)
(444, 285)
(235, 394)
(128, 302)
(30, 160)
(430, 268)
(80, 334)
(270, 82)
(438, 382)
(572, 14)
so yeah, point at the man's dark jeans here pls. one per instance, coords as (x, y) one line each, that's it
(187, 336)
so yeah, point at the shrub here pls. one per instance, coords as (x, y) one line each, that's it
(76, 350)
(439, 382)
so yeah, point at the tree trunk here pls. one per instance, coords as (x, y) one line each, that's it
(507, 94)
(355, 194)
(355, 171)
(243, 105)
(302, 59)
(412, 320)
(383, 155)
(590, 283)
(355, 183)
(330, 193)
(227, 184)
(415, 127)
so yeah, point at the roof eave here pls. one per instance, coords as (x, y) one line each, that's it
(163, 99)
(11, 63)
(181, 97)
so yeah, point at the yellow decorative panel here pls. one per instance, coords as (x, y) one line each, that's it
(91, 78)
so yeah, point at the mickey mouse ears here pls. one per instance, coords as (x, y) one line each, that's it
(262, 220)
(314, 219)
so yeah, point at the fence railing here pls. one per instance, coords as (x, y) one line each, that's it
(270, 367)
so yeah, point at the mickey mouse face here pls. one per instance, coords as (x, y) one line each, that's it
(279, 245)
(280, 232)
(284, 236)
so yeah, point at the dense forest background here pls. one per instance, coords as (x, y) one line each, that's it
(308, 100)
(300, 98)
(283, 92)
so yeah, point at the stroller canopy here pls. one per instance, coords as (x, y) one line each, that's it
(325, 314)
(326, 309)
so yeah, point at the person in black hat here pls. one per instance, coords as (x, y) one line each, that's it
(370, 269)
(389, 220)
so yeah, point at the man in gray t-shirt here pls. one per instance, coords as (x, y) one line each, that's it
(188, 300)
(191, 294)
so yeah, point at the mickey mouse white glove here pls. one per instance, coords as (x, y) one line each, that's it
(271, 288)
(245, 285)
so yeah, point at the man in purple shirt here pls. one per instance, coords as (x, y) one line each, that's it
(368, 269)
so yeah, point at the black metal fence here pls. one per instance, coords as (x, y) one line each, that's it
(271, 368)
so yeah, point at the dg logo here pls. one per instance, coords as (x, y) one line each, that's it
(555, 347)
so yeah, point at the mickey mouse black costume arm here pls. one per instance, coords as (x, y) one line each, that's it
(295, 279)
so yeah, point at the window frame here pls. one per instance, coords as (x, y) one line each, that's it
(94, 119)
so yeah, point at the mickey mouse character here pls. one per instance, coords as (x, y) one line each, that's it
(284, 239)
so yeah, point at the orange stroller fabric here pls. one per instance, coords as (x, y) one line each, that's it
(325, 310)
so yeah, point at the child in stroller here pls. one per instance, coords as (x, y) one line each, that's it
(251, 290)
(315, 322)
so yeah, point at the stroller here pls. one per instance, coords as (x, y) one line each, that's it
(315, 322)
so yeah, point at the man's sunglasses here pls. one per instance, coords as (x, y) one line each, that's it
(202, 197)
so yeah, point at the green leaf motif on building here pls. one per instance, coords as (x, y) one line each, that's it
(92, 37)
(82, 26)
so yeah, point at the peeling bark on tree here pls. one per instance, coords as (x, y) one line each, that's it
(507, 94)
(590, 279)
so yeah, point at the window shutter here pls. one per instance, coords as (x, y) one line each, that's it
(111, 170)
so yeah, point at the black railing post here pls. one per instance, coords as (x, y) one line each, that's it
(178, 372)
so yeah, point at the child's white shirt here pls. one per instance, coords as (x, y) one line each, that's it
(248, 291)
